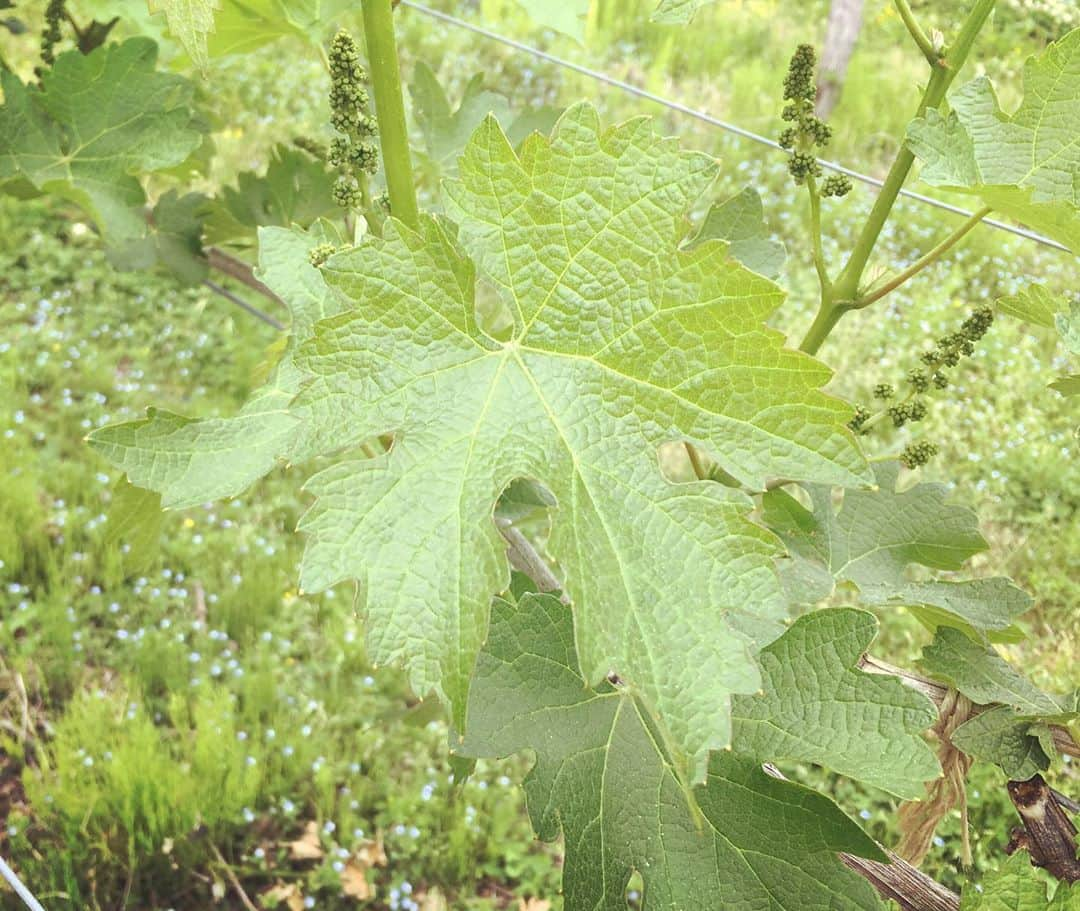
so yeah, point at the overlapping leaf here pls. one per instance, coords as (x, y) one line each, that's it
(621, 342)
(174, 239)
(1014, 734)
(1037, 304)
(191, 461)
(190, 21)
(295, 189)
(604, 777)
(816, 707)
(873, 539)
(677, 12)
(740, 221)
(1025, 165)
(1017, 886)
(447, 129)
(998, 735)
(982, 675)
(97, 121)
(566, 16)
(242, 26)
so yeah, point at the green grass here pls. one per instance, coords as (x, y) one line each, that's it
(170, 722)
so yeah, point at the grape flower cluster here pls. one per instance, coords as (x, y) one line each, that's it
(807, 131)
(354, 152)
(50, 34)
(948, 351)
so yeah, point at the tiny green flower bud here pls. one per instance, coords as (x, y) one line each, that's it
(884, 391)
(320, 254)
(340, 146)
(799, 82)
(918, 454)
(803, 165)
(899, 415)
(941, 380)
(916, 410)
(836, 185)
(918, 379)
(347, 193)
(862, 415)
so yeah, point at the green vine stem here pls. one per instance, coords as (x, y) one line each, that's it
(921, 38)
(844, 293)
(927, 259)
(390, 109)
(815, 236)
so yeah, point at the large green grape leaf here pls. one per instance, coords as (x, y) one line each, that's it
(98, 121)
(873, 539)
(1018, 886)
(190, 21)
(1025, 165)
(740, 220)
(191, 461)
(604, 777)
(621, 342)
(816, 707)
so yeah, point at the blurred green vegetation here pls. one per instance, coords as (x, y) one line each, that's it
(166, 726)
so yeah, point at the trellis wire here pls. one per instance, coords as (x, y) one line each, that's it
(32, 903)
(705, 117)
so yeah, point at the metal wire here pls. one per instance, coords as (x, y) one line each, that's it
(20, 890)
(705, 117)
(240, 302)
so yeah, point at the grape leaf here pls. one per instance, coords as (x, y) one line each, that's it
(1024, 165)
(1036, 304)
(621, 343)
(133, 524)
(982, 675)
(677, 12)
(174, 239)
(193, 461)
(1033, 304)
(1017, 886)
(999, 736)
(1067, 385)
(1068, 327)
(295, 190)
(740, 221)
(98, 120)
(242, 26)
(190, 21)
(446, 130)
(815, 707)
(873, 539)
(566, 16)
(604, 777)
